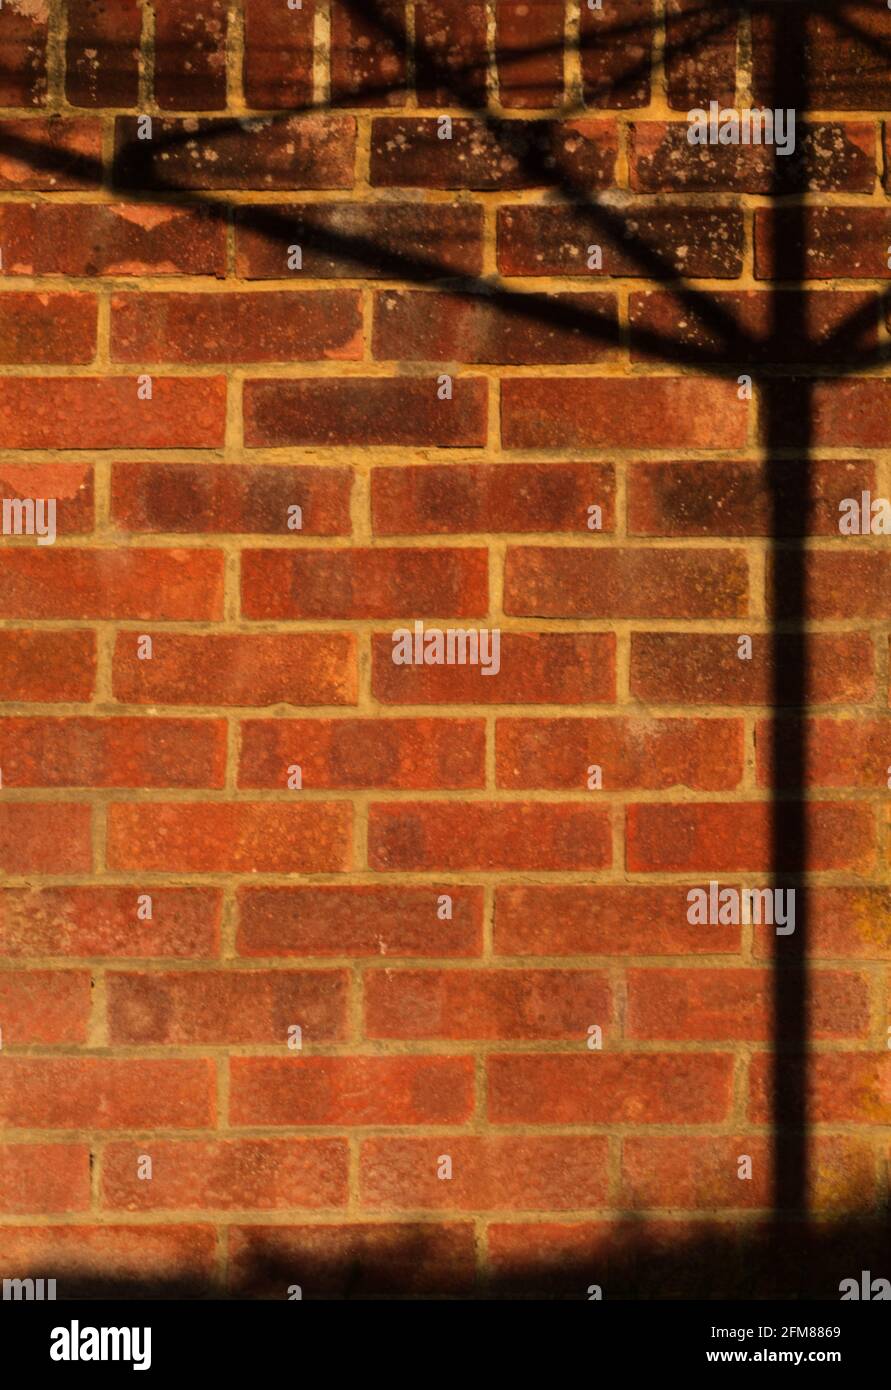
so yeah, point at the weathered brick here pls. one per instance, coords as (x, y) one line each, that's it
(45, 838)
(529, 53)
(73, 752)
(698, 668)
(704, 754)
(634, 239)
(275, 326)
(487, 836)
(190, 55)
(822, 243)
(240, 837)
(368, 240)
(577, 582)
(829, 157)
(368, 583)
(492, 155)
(351, 1090)
(564, 668)
(102, 53)
(278, 54)
(262, 152)
(727, 838)
(41, 1178)
(177, 585)
(602, 920)
(23, 56)
(303, 668)
(599, 412)
(368, 54)
(700, 54)
(107, 413)
(616, 51)
(498, 1004)
(69, 485)
(415, 325)
(400, 754)
(846, 70)
(727, 1005)
(44, 1006)
(398, 411)
(231, 1006)
(242, 499)
(630, 1088)
(120, 239)
(54, 154)
(466, 498)
(227, 1175)
(48, 666)
(360, 920)
(450, 54)
(103, 921)
(106, 1093)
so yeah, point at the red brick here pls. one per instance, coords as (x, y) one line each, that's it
(168, 1261)
(23, 74)
(368, 54)
(50, 153)
(779, 326)
(492, 155)
(190, 55)
(635, 240)
(627, 1088)
(451, 53)
(705, 754)
(564, 668)
(45, 838)
(488, 1174)
(529, 46)
(106, 1093)
(102, 53)
(353, 1260)
(119, 239)
(602, 920)
(701, 1172)
(722, 838)
(234, 838)
(417, 326)
(616, 48)
(844, 924)
(717, 498)
(459, 498)
(406, 754)
(359, 920)
(700, 54)
(47, 666)
(68, 752)
(598, 412)
(275, 326)
(498, 1004)
(270, 668)
(844, 72)
(695, 1172)
(69, 485)
(363, 240)
(36, 1179)
(368, 411)
(351, 1090)
(579, 582)
(175, 585)
(100, 921)
(837, 752)
(829, 157)
(106, 413)
(698, 668)
(828, 412)
(225, 1006)
(266, 153)
(838, 585)
(364, 583)
(243, 499)
(822, 243)
(226, 1175)
(44, 1006)
(842, 1088)
(737, 1005)
(487, 836)
(278, 54)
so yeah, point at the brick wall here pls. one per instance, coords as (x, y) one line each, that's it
(392, 324)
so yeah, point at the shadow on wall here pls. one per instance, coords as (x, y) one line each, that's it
(770, 1259)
